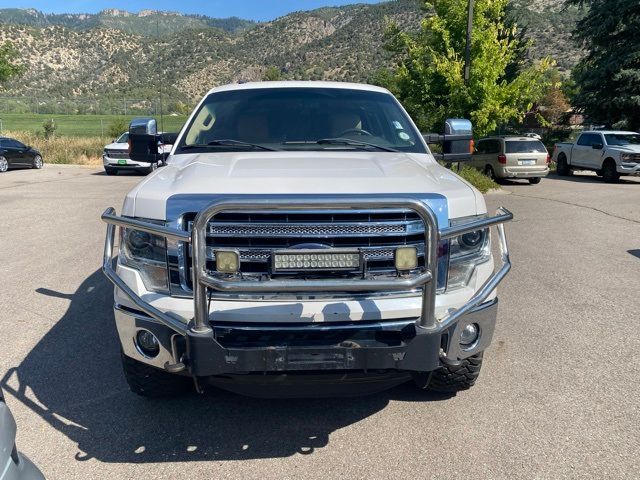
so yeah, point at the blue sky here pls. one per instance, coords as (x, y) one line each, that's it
(250, 9)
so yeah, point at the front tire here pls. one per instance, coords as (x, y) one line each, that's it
(151, 382)
(110, 171)
(534, 181)
(37, 162)
(609, 171)
(452, 379)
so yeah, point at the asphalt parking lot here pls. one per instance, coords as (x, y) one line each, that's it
(558, 396)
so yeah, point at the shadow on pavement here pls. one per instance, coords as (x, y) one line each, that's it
(72, 379)
(588, 177)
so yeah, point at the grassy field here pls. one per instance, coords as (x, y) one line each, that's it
(75, 125)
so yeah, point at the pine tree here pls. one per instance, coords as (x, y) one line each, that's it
(608, 78)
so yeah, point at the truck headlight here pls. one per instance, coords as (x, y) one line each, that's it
(146, 253)
(630, 157)
(466, 252)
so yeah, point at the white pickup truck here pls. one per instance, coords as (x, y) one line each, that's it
(608, 153)
(302, 240)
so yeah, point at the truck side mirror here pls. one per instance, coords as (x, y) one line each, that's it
(597, 146)
(457, 140)
(143, 140)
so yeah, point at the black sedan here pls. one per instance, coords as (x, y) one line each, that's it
(15, 154)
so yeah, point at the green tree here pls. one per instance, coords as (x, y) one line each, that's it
(117, 127)
(429, 74)
(8, 67)
(272, 74)
(608, 78)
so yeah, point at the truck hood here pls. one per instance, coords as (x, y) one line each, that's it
(117, 146)
(625, 148)
(301, 173)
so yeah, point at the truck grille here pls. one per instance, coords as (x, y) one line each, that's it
(117, 153)
(256, 235)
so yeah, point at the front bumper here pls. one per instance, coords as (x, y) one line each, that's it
(124, 163)
(629, 169)
(256, 348)
(203, 348)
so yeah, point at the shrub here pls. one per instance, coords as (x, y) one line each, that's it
(477, 179)
(49, 128)
(118, 127)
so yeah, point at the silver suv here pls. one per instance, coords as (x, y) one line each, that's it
(512, 157)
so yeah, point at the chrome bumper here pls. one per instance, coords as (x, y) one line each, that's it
(202, 348)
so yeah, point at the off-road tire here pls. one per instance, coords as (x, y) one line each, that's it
(563, 168)
(151, 382)
(452, 379)
(609, 172)
(110, 171)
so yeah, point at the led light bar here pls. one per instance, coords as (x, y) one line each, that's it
(316, 260)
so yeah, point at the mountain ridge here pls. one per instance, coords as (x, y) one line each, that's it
(99, 56)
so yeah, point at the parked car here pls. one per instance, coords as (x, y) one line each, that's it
(13, 464)
(15, 154)
(116, 155)
(512, 157)
(302, 236)
(608, 153)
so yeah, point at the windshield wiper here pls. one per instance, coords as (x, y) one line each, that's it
(227, 142)
(353, 143)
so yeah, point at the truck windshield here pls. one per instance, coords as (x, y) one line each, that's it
(524, 146)
(622, 138)
(315, 119)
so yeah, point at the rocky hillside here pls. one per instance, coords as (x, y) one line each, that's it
(118, 53)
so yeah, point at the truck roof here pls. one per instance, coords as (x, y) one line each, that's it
(298, 84)
(608, 132)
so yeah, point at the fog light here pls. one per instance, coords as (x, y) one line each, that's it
(469, 334)
(227, 261)
(147, 343)
(406, 258)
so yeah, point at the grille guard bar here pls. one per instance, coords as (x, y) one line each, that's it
(202, 279)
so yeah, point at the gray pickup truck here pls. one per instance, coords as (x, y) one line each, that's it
(608, 153)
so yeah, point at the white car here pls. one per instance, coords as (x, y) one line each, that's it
(13, 464)
(303, 240)
(608, 153)
(116, 157)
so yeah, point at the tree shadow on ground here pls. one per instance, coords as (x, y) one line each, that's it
(72, 379)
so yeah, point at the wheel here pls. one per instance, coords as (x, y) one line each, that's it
(489, 172)
(110, 171)
(609, 172)
(152, 168)
(451, 379)
(151, 382)
(535, 180)
(37, 162)
(4, 165)
(563, 168)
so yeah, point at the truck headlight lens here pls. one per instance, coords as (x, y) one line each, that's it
(466, 252)
(630, 157)
(147, 253)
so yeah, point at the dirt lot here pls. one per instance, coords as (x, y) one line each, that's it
(557, 398)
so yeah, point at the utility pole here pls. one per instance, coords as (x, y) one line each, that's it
(467, 50)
